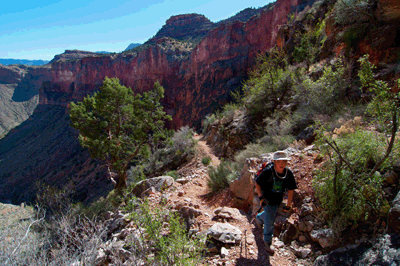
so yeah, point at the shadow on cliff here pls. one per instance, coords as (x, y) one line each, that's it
(24, 92)
(44, 150)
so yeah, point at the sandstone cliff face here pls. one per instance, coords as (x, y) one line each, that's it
(181, 27)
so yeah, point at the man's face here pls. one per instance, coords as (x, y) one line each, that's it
(280, 166)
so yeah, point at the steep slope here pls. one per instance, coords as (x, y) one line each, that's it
(44, 150)
(19, 93)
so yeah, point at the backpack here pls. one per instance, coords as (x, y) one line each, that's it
(261, 169)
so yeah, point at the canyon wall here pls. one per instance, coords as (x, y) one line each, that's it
(196, 80)
(19, 93)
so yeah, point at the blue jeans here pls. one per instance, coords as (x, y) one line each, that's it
(267, 217)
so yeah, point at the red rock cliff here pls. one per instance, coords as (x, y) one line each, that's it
(195, 81)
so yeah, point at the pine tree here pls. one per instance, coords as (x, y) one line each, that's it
(116, 125)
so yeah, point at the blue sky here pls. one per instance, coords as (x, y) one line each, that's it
(41, 29)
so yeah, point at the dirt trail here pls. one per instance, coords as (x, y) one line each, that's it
(204, 150)
(196, 192)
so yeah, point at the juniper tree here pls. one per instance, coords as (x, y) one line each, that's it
(116, 125)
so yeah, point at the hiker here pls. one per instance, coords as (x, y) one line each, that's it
(271, 185)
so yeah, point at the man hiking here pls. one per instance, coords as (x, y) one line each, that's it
(271, 186)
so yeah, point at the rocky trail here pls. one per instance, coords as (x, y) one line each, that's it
(235, 238)
(191, 190)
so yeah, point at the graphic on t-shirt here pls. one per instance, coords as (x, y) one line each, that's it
(277, 185)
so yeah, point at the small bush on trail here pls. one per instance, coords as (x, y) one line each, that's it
(173, 174)
(206, 160)
(221, 176)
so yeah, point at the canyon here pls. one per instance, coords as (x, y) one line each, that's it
(198, 62)
(197, 79)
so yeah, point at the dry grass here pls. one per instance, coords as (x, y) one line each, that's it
(27, 239)
(17, 240)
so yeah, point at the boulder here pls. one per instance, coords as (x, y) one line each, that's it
(189, 212)
(159, 183)
(227, 213)
(291, 232)
(305, 226)
(225, 233)
(391, 177)
(306, 209)
(394, 215)
(101, 257)
(211, 247)
(383, 251)
(307, 135)
(302, 252)
(243, 187)
(325, 237)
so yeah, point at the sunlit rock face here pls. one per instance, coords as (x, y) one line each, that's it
(197, 80)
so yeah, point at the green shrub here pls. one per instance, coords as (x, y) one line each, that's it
(173, 174)
(180, 148)
(64, 239)
(229, 109)
(60, 231)
(310, 46)
(135, 174)
(349, 186)
(278, 133)
(252, 150)
(322, 96)
(207, 121)
(99, 208)
(206, 160)
(344, 187)
(221, 176)
(270, 86)
(164, 235)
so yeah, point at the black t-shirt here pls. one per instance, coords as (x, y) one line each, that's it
(274, 185)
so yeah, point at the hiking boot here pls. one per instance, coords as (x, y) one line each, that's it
(259, 224)
(269, 248)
